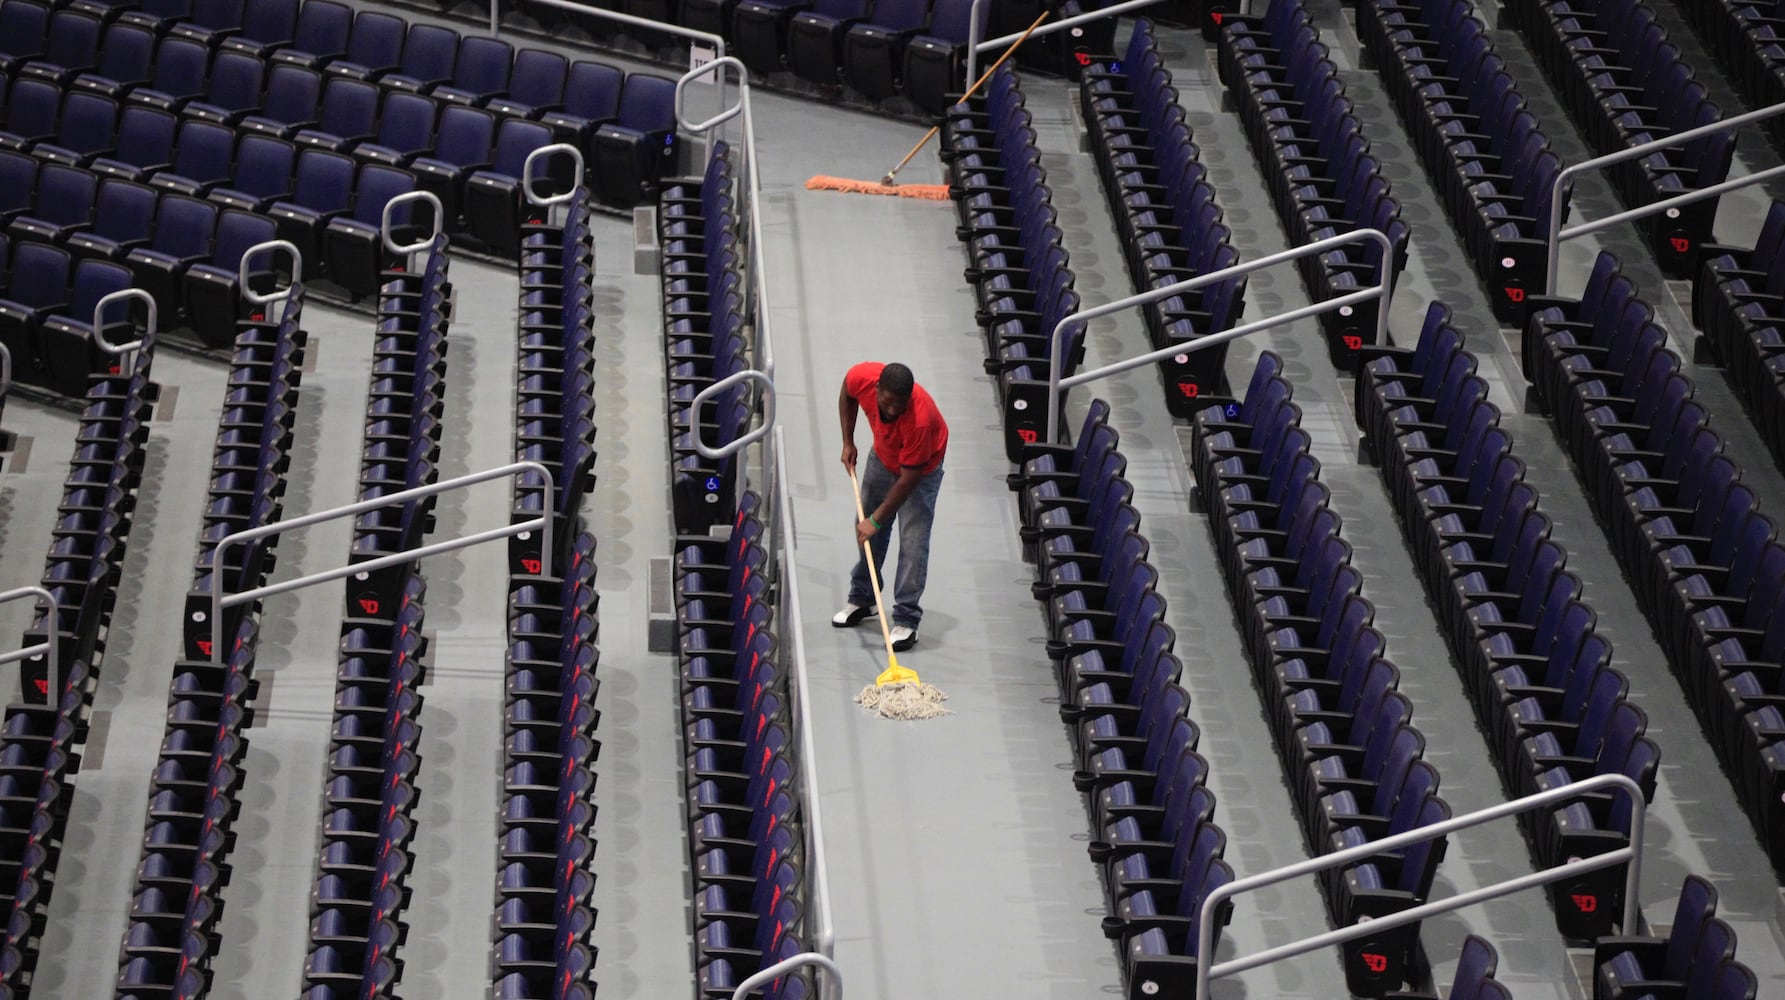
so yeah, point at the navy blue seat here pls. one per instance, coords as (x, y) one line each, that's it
(934, 58)
(63, 203)
(291, 104)
(346, 116)
(264, 166)
(633, 152)
(71, 47)
(126, 58)
(123, 214)
(463, 146)
(213, 289)
(813, 48)
(184, 228)
(494, 204)
(321, 191)
(536, 85)
(873, 51)
(481, 71)
(374, 47)
(429, 54)
(322, 34)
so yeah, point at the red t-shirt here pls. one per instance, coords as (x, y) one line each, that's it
(918, 438)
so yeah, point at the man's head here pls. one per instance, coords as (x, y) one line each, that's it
(894, 392)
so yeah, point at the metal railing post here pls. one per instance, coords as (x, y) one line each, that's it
(975, 46)
(5, 372)
(783, 967)
(556, 148)
(1556, 235)
(543, 523)
(826, 937)
(152, 320)
(297, 271)
(406, 250)
(745, 439)
(1631, 852)
(50, 649)
(1379, 292)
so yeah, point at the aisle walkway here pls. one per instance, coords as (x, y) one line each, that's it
(956, 846)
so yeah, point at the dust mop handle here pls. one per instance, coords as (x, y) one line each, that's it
(987, 75)
(873, 574)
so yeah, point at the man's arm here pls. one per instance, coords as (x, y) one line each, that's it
(909, 477)
(847, 408)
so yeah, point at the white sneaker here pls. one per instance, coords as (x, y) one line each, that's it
(903, 638)
(851, 616)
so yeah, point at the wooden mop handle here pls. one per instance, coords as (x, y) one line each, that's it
(987, 75)
(873, 575)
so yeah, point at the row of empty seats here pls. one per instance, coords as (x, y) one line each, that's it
(1705, 564)
(555, 374)
(1738, 301)
(182, 237)
(1151, 814)
(1316, 162)
(405, 404)
(1484, 151)
(83, 568)
(216, 61)
(1010, 234)
(368, 804)
(1352, 758)
(1539, 675)
(1624, 83)
(47, 303)
(173, 929)
(746, 830)
(1748, 42)
(1165, 212)
(249, 463)
(705, 300)
(1695, 959)
(913, 50)
(544, 916)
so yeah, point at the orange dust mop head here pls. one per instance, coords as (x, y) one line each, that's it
(897, 693)
(929, 192)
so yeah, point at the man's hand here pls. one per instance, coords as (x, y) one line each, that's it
(864, 530)
(849, 455)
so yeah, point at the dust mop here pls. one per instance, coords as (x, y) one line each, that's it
(889, 185)
(897, 693)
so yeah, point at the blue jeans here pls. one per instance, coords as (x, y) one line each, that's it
(914, 518)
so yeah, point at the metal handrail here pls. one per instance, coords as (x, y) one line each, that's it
(712, 69)
(1379, 291)
(154, 319)
(49, 648)
(745, 439)
(404, 199)
(752, 188)
(974, 22)
(826, 937)
(5, 371)
(219, 602)
(787, 965)
(1631, 852)
(1556, 235)
(297, 271)
(540, 154)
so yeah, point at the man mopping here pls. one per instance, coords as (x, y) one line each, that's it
(902, 479)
